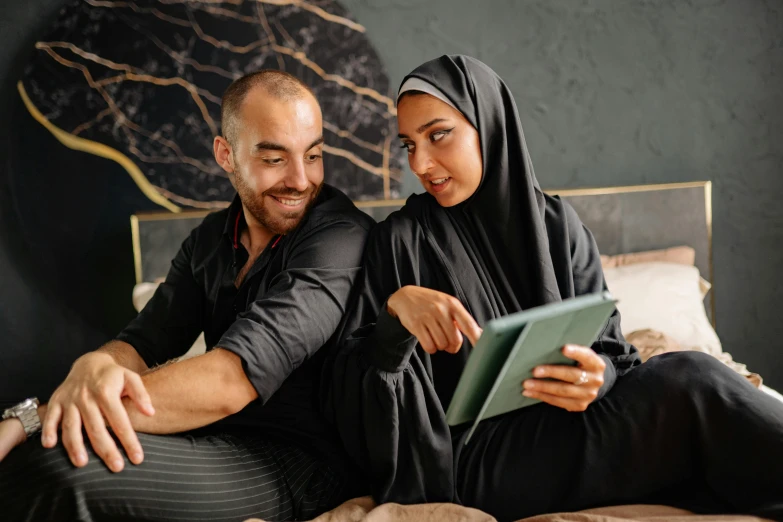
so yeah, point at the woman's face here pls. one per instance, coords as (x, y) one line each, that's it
(443, 148)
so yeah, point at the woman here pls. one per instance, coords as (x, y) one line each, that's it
(485, 241)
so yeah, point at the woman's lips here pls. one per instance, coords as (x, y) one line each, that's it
(441, 186)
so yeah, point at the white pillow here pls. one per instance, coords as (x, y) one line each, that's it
(666, 297)
(142, 293)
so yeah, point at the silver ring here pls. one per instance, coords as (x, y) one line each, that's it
(582, 379)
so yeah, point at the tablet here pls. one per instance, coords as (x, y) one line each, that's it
(512, 346)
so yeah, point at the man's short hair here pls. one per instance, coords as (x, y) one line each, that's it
(279, 84)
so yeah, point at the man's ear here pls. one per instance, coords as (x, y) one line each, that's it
(223, 154)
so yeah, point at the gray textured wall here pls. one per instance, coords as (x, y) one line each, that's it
(628, 92)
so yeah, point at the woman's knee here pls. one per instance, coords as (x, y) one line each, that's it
(30, 465)
(50, 469)
(46, 484)
(686, 365)
(689, 371)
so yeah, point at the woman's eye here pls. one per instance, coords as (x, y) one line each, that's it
(407, 146)
(437, 136)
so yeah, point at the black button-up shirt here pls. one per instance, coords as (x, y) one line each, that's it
(287, 307)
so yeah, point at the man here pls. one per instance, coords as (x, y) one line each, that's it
(267, 281)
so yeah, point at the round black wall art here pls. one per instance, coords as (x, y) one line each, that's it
(140, 82)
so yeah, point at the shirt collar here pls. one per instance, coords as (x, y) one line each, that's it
(235, 223)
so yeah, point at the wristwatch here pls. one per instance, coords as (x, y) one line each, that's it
(27, 412)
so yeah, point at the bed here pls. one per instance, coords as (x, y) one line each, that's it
(656, 246)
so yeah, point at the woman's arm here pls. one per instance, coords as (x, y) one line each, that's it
(588, 278)
(379, 393)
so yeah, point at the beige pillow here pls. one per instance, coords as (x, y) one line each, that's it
(651, 342)
(665, 297)
(142, 293)
(681, 255)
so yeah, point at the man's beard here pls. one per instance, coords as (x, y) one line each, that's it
(277, 222)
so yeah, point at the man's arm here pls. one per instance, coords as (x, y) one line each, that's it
(193, 393)
(281, 329)
(285, 326)
(92, 395)
(301, 309)
(112, 353)
(187, 395)
(123, 354)
(172, 319)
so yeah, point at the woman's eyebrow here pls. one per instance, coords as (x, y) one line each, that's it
(424, 127)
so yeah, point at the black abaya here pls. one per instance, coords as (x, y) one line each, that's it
(507, 248)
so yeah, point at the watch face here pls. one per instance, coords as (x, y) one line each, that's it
(14, 411)
(28, 403)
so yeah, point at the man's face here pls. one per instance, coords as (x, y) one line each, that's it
(276, 161)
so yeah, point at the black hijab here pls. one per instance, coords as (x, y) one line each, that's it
(507, 248)
(503, 222)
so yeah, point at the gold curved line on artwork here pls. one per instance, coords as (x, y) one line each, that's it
(98, 149)
(352, 137)
(336, 78)
(329, 17)
(137, 9)
(318, 12)
(353, 158)
(270, 35)
(385, 170)
(224, 12)
(210, 205)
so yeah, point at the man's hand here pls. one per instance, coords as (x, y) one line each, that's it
(90, 396)
(573, 387)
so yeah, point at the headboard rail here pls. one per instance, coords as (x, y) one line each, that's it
(622, 219)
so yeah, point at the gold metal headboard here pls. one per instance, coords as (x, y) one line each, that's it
(381, 208)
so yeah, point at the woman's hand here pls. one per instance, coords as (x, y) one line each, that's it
(11, 435)
(575, 387)
(436, 319)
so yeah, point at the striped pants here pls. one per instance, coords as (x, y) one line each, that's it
(183, 477)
